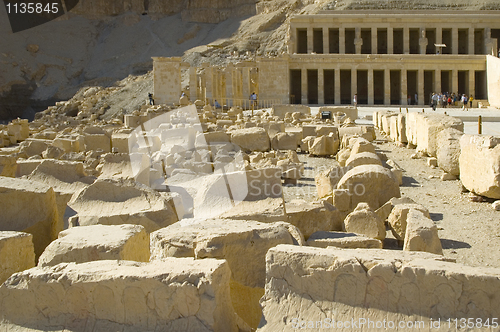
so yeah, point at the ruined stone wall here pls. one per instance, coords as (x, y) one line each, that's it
(167, 80)
(273, 79)
(493, 76)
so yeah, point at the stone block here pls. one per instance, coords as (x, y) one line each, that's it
(324, 239)
(251, 139)
(284, 141)
(363, 158)
(119, 142)
(421, 233)
(8, 166)
(313, 217)
(315, 284)
(242, 243)
(117, 202)
(97, 242)
(326, 181)
(34, 147)
(365, 131)
(362, 145)
(480, 164)
(372, 184)
(16, 253)
(350, 112)
(365, 222)
(26, 166)
(324, 146)
(97, 142)
(397, 219)
(281, 110)
(41, 219)
(174, 294)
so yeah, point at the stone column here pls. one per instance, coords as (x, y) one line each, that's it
(341, 40)
(326, 41)
(208, 82)
(420, 89)
(437, 81)
(229, 85)
(454, 40)
(390, 40)
(193, 84)
(321, 87)
(472, 84)
(489, 43)
(303, 97)
(439, 35)
(374, 41)
(358, 41)
(387, 87)
(310, 40)
(471, 40)
(337, 86)
(423, 41)
(246, 82)
(404, 87)
(354, 82)
(454, 81)
(371, 100)
(406, 40)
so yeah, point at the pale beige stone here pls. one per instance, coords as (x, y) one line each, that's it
(385, 210)
(116, 202)
(365, 222)
(397, 219)
(324, 239)
(30, 207)
(242, 243)
(362, 145)
(16, 253)
(363, 158)
(480, 164)
(314, 216)
(421, 233)
(173, 294)
(326, 181)
(251, 139)
(372, 184)
(284, 141)
(97, 242)
(448, 150)
(8, 166)
(313, 284)
(324, 146)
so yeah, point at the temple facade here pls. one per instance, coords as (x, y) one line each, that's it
(386, 58)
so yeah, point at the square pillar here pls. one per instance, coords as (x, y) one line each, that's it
(454, 38)
(193, 84)
(341, 40)
(437, 81)
(326, 41)
(472, 84)
(439, 35)
(406, 40)
(371, 100)
(471, 40)
(303, 97)
(310, 40)
(454, 81)
(390, 40)
(374, 41)
(321, 87)
(246, 82)
(229, 85)
(404, 87)
(387, 87)
(354, 82)
(337, 86)
(421, 96)
(209, 83)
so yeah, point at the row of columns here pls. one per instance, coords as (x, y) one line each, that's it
(387, 85)
(490, 43)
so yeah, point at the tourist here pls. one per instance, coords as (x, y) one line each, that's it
(216, 104)
(151, 100)
(409, 99)
(470, 101)
(464, 102)
(355, 100)
(253, 99)
(416, 99)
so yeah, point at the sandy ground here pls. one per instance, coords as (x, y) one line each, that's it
(468, 230)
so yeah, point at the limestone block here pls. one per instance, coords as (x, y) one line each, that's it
(119, 142)
(16, 253)
(98, 242)
(97, 142)
(341, 199)
(363, 158)
(421, 233)
(242, 243)
(251, 139)
(480, 164)
(314, 216)
(210, 138)
(8, 166)
(174, 294)
(69, 144)
(309, 130)
(401, 128)
(343, 155)
(41, 219)
(281, 110)
(34, 147)
(365, 131)
(385, 210)
(365, 222)
(397, 219)
(52, 152)
(372, 184)
(349, 111)
(117, 202)
(118, 166)
(326, 181)
(284, 141)
(324, 239)
(26, 166)
(316, 284)
(362, 145)
(428, 126)
(386, 122)
(324, 146)
(324, 130)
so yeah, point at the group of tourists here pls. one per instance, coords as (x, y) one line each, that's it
(449, 100)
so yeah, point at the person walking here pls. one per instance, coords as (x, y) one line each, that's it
(355, 100)
(464, 102)
(151, 100)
